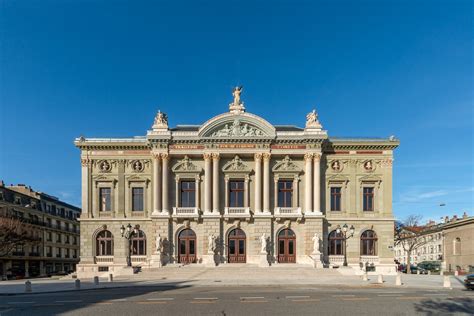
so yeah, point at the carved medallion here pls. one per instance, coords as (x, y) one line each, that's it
(104, 166)
(336, 166)
(137, 166)
(369, 165)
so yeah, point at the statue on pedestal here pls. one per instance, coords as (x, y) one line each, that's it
(263, 242)
(316, 243)
(159, 244)
(312, 120)
(211, 244)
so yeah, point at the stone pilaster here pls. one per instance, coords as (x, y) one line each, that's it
(316, 183)
(215, 183)
(85, 183)
(266, 182)
(207, 182)
(308, 158)
(165, 175)
(258, 182)
(156, 184)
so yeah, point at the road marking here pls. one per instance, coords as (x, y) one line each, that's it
(20, 302)
(205, 298)
(151, 302)
(252, 297)
(160, 299)
(297, 296)
(103, 303)
(344, 295)
(356, 299)
(410, 298)
(306, 300)
(119, 300)
(69, 301)
(390, 295)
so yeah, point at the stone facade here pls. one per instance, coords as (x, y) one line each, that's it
(238, 166)
(459, 245)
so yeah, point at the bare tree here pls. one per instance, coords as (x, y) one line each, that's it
(15, 232)
(408, 235)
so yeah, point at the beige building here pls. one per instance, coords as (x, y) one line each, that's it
(236, 189)
(53, 222)
(459, 245)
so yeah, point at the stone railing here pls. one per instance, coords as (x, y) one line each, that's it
(288, 212)
(104, 259)
(138, 259)
(336, 260)
(185, 212)
(369, 259)
(237, 212)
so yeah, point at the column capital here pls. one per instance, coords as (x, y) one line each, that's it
(317, 157)
(85, 162)
(258, 157)
(266, 156)
(156, 155)
(308, 156)
(215, 156)
(207, 156)
(165, 156)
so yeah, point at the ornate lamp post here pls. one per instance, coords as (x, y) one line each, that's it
(345, 238)
(128, 234)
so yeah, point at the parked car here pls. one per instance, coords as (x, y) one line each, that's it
(433, 266)
(403, 268)
(469, 282)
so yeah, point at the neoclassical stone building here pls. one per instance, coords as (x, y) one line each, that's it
(236, 189)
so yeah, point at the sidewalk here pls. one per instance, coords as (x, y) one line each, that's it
(208, 277)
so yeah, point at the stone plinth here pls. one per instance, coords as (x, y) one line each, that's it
(209, 260)
(156, 260)
(263, 260)
(317, 260)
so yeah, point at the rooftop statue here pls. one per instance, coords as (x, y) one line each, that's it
(236, 93)
(161, 121)
(237, 106)
(312, 120)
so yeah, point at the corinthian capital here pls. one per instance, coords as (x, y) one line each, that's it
(165, 156)
(207, 156)
(85, 162)
(317, 157)
(258, 156)
(308, 156)
(155, 155)
(215, 156)
(266, 156)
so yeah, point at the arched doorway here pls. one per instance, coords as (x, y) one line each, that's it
(187, 246)
(236, 252)
(286, 246)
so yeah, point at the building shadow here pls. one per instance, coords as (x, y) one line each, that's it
(446, 307)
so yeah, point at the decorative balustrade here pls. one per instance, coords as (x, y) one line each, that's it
(138, 259)
(104, 259)
(288, 212)
(369, 259)
(185, 212)
(336, 260)
(237, 212)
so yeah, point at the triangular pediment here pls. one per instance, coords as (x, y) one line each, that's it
(236, 165)
(185, 165)
(286, 165)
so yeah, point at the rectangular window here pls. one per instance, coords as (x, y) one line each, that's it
(335, 199)
(187, 194)
(285, 193)
(105, 200)
(368, 199)
(49, 236)
(137, 199)
(236, 193)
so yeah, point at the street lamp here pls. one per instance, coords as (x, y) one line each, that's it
(345, 237)
(128, 234)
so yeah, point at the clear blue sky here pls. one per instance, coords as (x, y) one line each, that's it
(371, 68)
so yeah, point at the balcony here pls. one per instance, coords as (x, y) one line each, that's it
(34, 254)
(186, 212)
(104, 259)
(287, 212)
(237, 212)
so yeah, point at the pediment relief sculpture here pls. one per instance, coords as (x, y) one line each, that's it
(286, 165)
(238, 129)
(236, 165)
(186, 165)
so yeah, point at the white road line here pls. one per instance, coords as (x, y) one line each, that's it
(344, 295)
(251, 297)
(297, 296)
(119, 300)
(205, 298)
(69, 301)
(160, 299)
(20, 302)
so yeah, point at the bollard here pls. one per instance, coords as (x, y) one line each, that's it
(28, 287)
(380, 279)
(398, 280)
(111, 277)
(418, 272)
(365, 277)
(77, 284)
(429, 272)
(446, 281)
(96, 280)
(456, 273)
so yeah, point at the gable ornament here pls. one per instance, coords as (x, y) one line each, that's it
(312, 121)
(237, 129)
(237, 106)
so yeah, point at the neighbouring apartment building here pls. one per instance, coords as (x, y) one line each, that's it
(450, 242)
(236, 189)
(53, 222)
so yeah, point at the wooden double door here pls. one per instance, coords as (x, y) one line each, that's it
(286, 246)
(187, 246)
(236, 248)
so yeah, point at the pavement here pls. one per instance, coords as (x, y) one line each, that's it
(280, 299)
(192, 276)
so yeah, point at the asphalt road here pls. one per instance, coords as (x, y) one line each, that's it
(294, 300)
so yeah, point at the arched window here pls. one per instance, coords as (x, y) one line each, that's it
(104, 243)
(336, 243)
(368, 243)
(139, 244)
(457, 246)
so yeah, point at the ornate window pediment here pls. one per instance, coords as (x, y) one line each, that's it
(236, 165)
(370, 179)
(185, 165)
(286, 166)
(230, 125)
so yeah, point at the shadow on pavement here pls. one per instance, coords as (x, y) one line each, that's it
(446, 307)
